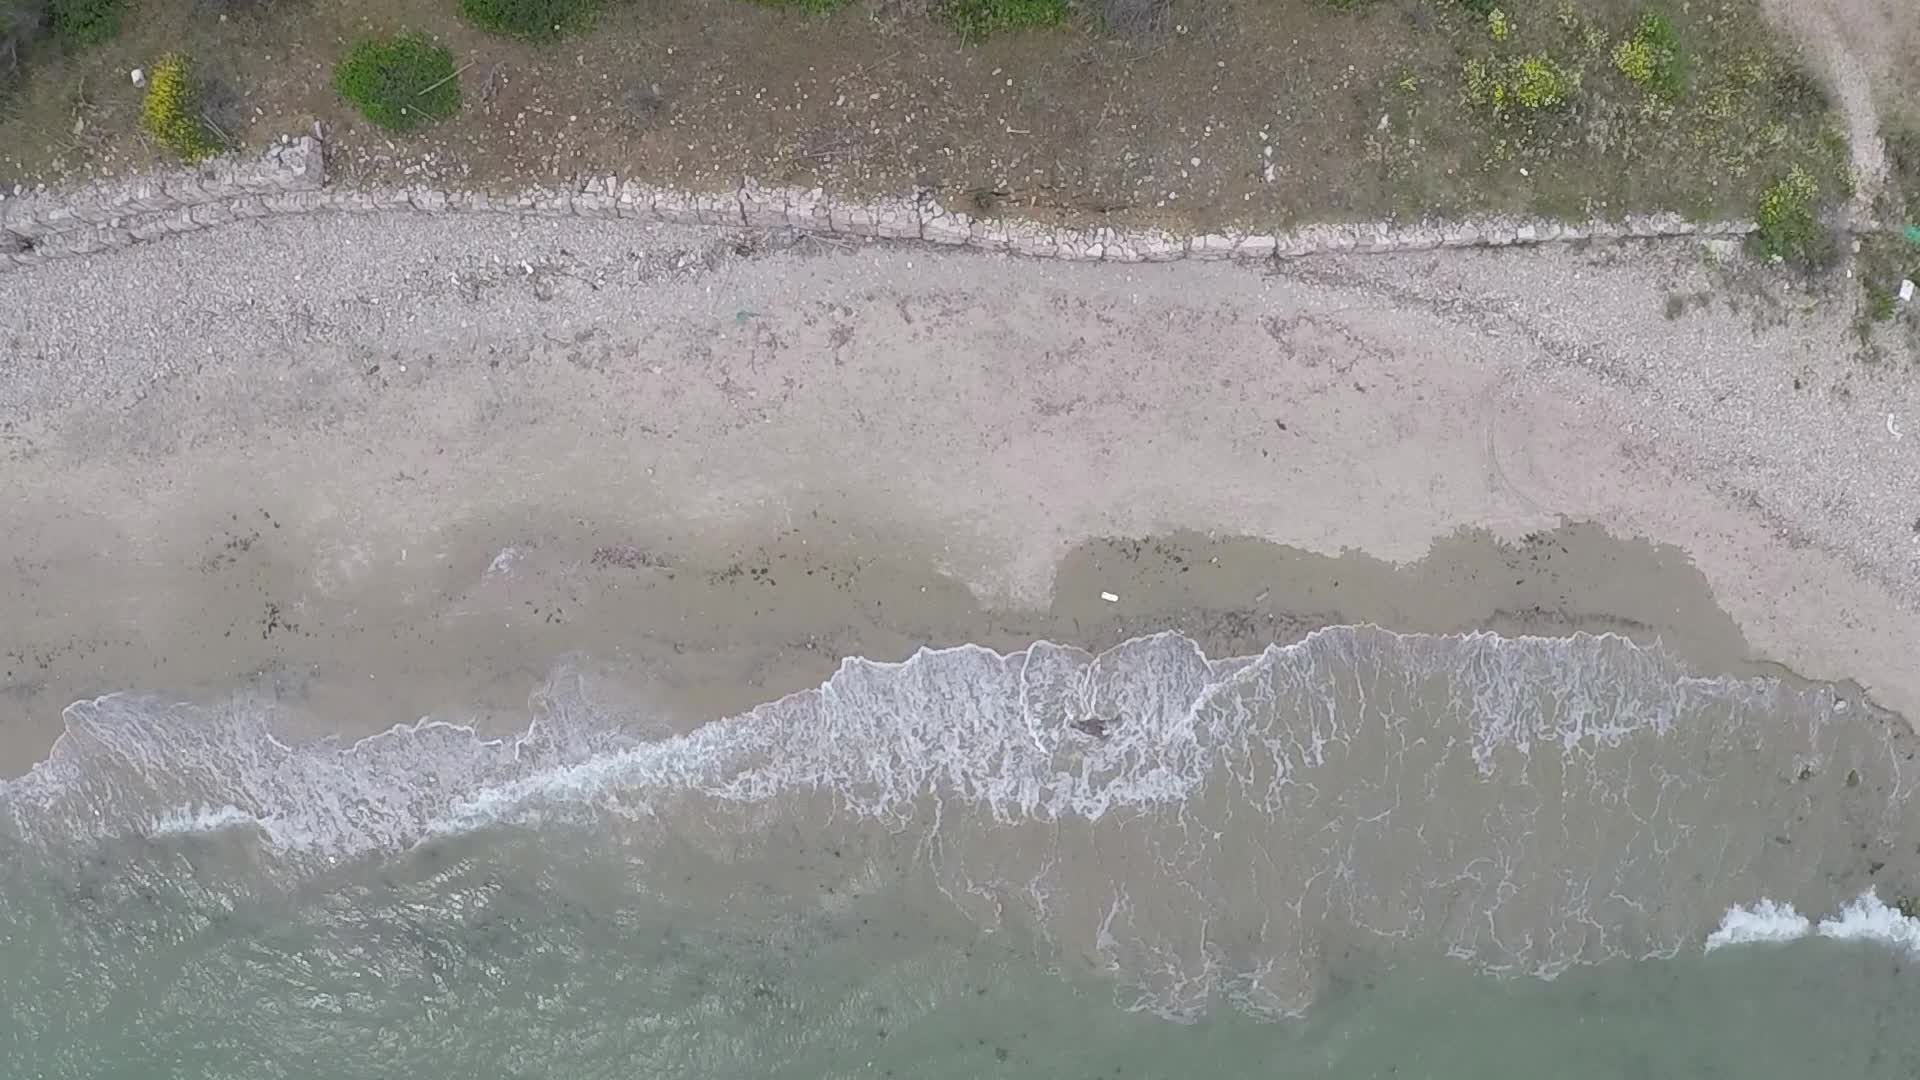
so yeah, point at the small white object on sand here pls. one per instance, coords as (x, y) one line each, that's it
(138, 76)
(1111, 598)
(1906, 289)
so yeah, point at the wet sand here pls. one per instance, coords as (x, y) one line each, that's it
(402, 475)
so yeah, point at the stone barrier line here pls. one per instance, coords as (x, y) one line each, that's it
(290, 178)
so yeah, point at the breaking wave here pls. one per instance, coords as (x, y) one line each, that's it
(1197, 827)
(1864, 918)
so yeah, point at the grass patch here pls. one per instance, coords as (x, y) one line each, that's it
(171, 110)
(79, 23)
(400, 82)
(1885, 260)
(545, 20)
(979, 18)
(1903, 153)
(1652, 59)
(1788, 220)
(1880, 301)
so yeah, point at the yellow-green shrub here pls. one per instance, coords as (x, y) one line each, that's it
(1540, 83)
(1651, 57)
(1521, 86)
(171, 110)
(1788, 226)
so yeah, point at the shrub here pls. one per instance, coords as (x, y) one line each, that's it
(171, 110)
(1540, 83)
(978, 18)
(400, 82)
(544, 20)
(1499, 26)
(84, 22)
(1523, 86)
(1651, 57)
(1788, 228)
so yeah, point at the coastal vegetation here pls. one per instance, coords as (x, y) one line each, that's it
(1136, 111)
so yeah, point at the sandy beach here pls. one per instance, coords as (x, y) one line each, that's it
(656, 510)
(388, 466)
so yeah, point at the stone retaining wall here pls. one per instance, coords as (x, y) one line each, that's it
(290, 178)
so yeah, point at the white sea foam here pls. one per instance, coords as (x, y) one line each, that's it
(1763, 922)
(187, 820)
(1005, 732)
(1519, 802)
(1864, 918)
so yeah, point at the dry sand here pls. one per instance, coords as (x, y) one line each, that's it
(382, 466)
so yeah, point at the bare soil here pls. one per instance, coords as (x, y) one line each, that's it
(1274, 111)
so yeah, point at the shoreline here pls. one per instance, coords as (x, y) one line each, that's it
(288, 453)
(683, 642)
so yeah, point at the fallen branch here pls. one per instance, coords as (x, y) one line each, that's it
(443, 80)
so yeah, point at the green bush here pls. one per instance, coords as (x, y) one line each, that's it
(401, 82)
(1788, 226)
(1651, 57)
(978, 18)
(540, 20)
(84, 22)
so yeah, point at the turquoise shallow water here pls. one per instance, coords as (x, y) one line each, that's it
(501, 958)
(1367, 855)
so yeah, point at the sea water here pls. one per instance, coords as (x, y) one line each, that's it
(1364, 854)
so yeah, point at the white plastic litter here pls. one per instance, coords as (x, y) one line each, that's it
(1111, 598)
(138, 76)
(1906, 289)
